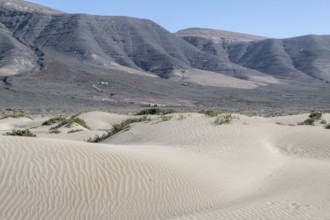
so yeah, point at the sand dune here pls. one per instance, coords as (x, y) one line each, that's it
(184, 168)
(43, 179)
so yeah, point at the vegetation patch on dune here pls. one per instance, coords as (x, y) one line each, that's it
(21, 133)
(224, 119)
(166, 118)
(75, 131)
(313, 118)
(54, 120)
(16, 116)
(155, 111)
(116, 128)
(68, 123)
(211, 112)
(56, 131)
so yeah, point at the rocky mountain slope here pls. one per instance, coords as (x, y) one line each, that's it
(298, 58)
(218, 36)
(49, 56)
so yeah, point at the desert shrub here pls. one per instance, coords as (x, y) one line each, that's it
(223, 119)
(315, 115)
(327, 126)
(210, 112)
(74, 131)
(98, 138)
(68, 123)
(323, 122)
(312, 118)
(79, 121)
(116, 128)
(22, 133)
(126, 123)
(155, 111)
(55, 131)
(166, 118)
(15, 116)
(52, 121)
(308, 121)
(136, 120)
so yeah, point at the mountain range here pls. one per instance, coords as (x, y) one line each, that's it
(49, 57)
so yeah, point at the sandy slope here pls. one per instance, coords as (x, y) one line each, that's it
(185, 168)
(208, 78)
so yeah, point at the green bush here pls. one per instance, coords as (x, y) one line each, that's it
(308, 121)
(79, 121)
(315, 115)
(68, 123)
(53, 121)
(22, 133)
(155, 111)
(323, 122)
(211, 112)
(97, 138)
(312, 118)
(166, 118)
(74, 131)
(55, 131)
(327, 126)
(116, 128)
(224, 119)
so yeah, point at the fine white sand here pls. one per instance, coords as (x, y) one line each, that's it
(184, 168)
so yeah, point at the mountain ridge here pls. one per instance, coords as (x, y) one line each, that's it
(218, 36)
(26, 6)
(49, 55)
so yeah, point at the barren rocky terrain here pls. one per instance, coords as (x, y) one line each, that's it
(54, 61)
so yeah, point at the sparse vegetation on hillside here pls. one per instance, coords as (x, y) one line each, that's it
(155, 111)
(98, 138)
(16, 116)
(68, 123)
(323, 122)
(22, 133)
(315, 115)
(224, 119)
(166, 118)
(116, 128)
(55, 131)
(211, 112)
(54, 120)
(313, 118)
(75, 131)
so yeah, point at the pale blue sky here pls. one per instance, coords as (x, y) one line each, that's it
(270, 18)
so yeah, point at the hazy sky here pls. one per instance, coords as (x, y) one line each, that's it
(270, 18)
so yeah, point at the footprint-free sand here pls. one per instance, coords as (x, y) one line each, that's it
(184, 168)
